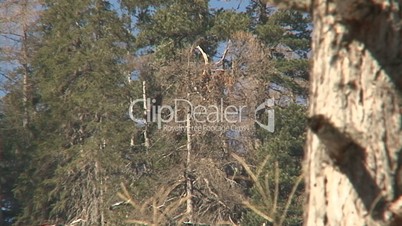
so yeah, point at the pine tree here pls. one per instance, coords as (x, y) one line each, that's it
(164, 27)
(83, 144)
(287, 34)
(16, 139)
(81, 130)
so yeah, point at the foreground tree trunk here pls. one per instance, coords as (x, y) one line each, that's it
(354, 156)
(354, 144)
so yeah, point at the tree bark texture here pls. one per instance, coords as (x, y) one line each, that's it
(354, 145)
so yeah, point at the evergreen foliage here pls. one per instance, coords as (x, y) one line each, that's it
(80, 127)
(90, 58)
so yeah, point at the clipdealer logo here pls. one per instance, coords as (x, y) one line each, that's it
(231, 114)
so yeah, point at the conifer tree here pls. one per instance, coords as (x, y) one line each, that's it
(16, 141)
(82, 144)
(81, 130)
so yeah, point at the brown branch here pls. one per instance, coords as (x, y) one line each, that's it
(302, 5)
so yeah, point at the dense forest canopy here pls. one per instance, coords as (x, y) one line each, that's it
(77, 149)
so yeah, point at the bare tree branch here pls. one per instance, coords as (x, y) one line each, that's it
(224, 54)
(302, 5)
(6, 76)
(204, 55)
(7, 36)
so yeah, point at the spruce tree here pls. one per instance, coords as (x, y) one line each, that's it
(82, 129)
(82, 143)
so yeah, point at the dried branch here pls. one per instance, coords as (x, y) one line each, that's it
(302, 5)
(224, 54)
(292, 193)
(147, 112)
(155, 215)
(138, 222)
(276, 193)
(260, 189)
(265, 193)
(77, 221)
(204, 55)
(257, 211)
(261, 167)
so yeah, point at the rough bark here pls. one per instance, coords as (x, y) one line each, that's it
(355, 141)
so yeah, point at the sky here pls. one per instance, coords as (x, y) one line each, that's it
(238, 5)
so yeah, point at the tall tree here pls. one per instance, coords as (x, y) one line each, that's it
(18, 18)
(83, 144)
(81, 130)
(354, 146)
(164, 27)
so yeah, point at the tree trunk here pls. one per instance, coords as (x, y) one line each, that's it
(355, 140)
(189, 182)
(26, 95)
(147, 112)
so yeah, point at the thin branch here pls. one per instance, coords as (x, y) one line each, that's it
(77, 221)
(7, 36)
(224, 54)
(6, 76)
(257, 211)
(147, 112)
(140, 222)
(209, 188)
(238, 6)
(302, 5)
(262, 165)
(292, 193)
(267, 187)
(276, 193)
(253, 177)
(204, 55)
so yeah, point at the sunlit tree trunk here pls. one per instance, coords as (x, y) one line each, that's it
(189, 182)
(147, 111)
(355, 139)
(353, 151)
(189, 145)
(26, 82)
